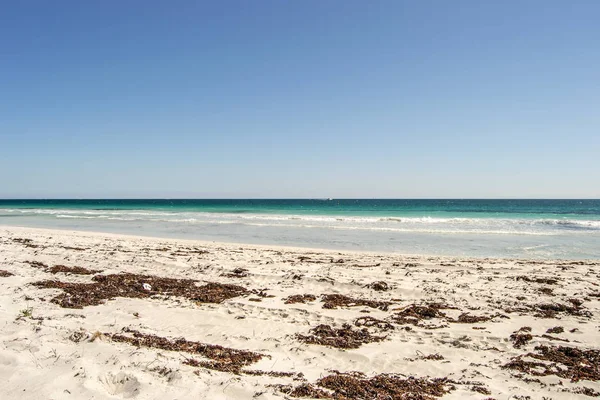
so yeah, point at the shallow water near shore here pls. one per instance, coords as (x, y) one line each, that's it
(543, 229)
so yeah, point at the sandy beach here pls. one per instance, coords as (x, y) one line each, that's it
(103, 316)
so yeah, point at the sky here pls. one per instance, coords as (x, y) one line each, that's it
(300, 99)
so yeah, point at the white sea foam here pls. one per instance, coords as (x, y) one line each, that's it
(424, 224)
(435, 234)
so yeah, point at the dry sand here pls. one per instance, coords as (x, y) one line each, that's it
(425, 307)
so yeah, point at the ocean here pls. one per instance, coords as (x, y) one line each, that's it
(541, 229)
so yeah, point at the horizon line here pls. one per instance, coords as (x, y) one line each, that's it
(290, 198)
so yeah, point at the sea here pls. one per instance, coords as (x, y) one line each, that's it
(538, 229)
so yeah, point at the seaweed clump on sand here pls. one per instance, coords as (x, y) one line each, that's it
(583, 390)
(370, 322)
(221, 358)
(237, 273)
(332, 301)
(379, 286)
(26, 242)
(564, 362)
(556, 329)
(343, 386)
(426, 357)
(37, 264)
(551, 310)
(72, 270)
(300, 298)
(545, 281)
(304, 390)
(5, 274)
(520, 338)
(107, 287)
(341, 338)
(414, 313)
(466, 318)
(62, 268)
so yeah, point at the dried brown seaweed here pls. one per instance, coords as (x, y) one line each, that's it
(583, 390)
(105, 287)
(222, 358)
(414, 313)
(62, 268)
(371, 322)
(26, 242)
(556, 329)
(339, 300)
(237, 273)
(547, 291)
(549, 337)
(480, 389)
(545, 281)
(342, 338)
(304, 390)
(300, 298)
(72, 270)
(379, 286)
(276, 374)
(466, 318)
(565, 362)
(520, 339)
(551, 310)
(427, 357)
(37, 264)
(383, 386)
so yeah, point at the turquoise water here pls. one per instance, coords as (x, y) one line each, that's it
(483, 228)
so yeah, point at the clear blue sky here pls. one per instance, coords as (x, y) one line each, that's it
(300, 98)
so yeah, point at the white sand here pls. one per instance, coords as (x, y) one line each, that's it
(39, 359)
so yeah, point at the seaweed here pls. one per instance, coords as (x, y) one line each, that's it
(222, 358)
(413, 314)
(371, 322)
(332, 301)
(304, 390)
(37, 264)
(107, 287)
(556, 329)
(379, 286)
(565, 362)
(237, 273)
(341, 338)
(465, 318)
(520, 339)
(26, 242)
(300, 298)
(428, 357)
(72, 270)
(546, 281)
(62, 268)
(550, 310)
(344, 386)
(583, 390)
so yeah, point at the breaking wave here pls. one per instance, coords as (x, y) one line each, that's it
(420, 224)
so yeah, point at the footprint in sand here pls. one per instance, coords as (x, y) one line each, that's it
(125, 385)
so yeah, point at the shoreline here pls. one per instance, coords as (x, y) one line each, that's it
(210, 243)
(125, 236)
(540, 229)
(89, 314)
